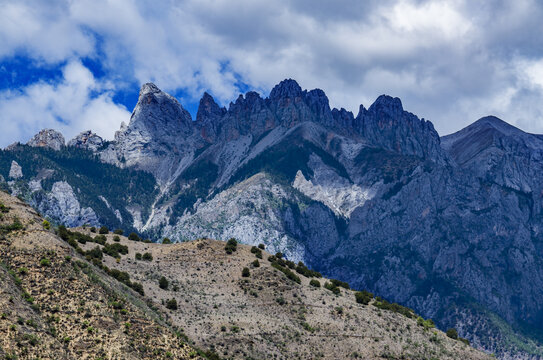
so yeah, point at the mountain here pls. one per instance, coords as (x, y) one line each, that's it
(81, 295)
(448, 226)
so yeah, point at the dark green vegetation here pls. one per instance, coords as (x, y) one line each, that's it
(95, 255)
(83, 171)
(231, 246)
(363, 297)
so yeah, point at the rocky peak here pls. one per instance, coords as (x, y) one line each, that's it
(208, 108)
(47, 138)
(287, 88)
(387, 125)
(387, 105)
(208, 117)
(87, 140)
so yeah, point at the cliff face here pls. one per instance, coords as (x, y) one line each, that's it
(449, 226)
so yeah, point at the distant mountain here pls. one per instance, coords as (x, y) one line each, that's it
(448, 226)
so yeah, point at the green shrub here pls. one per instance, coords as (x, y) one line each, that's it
(147, 257)
(134, 237)
(166, 241)
(261, 246)
(100, 239)
(138, 288)
(23, 271)
(339, 283)
(465, 341)
(256, 263)
(245, 272)
(95, 253)
(302, 269)
(231, 246)
(315, 283)
(115, 249)
(45, 262)
(332, 287)
(363, 297)
(93, 229)
(103, 230)
(452, 333)
(289, 274)
(171, 304)
(385, 305)
(116, 238)
(4, 209)
(163, 283)
(281, 301)
(138, 256)
(118, 232)
(46, 225)
(279, 255)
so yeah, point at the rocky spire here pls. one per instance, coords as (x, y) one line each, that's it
(87, 140)
(287, 88)
(387, 125)
(208, 117)
(47, 138)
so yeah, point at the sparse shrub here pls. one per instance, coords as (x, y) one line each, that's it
(138, 287)
(93, 229)
(166, 241)
(452, 333)
(339, 283)
(45, 262)
(163, 283)
(116, 238)
(147, 257)
(23, 271)
(231, 246)
(363, 297)
(138, 256)
(280, 300)
(279, 255)
(223, 328)
(332, 287)
(465, 341)
(171, 304)
(315, 283)
(115, 249)
(134, 237)
(289, 274)
(256, 263)
(46, 225)
(245, 272)
(95, 253)
(261, 246)
(103, 230)
(118, 232)
(302, 269)
(385, 305)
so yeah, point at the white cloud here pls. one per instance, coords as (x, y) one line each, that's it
(70, 106)
(449, 61)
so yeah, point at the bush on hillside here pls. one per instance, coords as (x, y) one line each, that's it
(103, 230)
(363, 297)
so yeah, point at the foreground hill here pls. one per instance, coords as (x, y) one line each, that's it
(55, 303)
(267, 313)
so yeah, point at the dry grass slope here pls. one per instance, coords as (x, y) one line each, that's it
(55, 305)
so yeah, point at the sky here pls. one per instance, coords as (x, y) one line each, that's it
(78, 65)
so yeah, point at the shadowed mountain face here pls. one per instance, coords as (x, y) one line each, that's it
(450, 226)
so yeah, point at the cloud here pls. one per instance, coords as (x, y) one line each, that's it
(449, 61)
(77, 103)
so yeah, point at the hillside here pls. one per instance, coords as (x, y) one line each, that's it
(267, 314)
(54, 303)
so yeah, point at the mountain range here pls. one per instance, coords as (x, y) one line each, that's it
(449, 226)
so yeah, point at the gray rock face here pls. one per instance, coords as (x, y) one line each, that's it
(87, 140)
(62, 205)
(47, 138)
(15, 171)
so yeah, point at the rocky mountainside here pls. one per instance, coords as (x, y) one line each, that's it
(81, 295)
(448, 226)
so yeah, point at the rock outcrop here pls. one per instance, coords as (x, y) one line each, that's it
(87, 140)
(15, 171)
(48, 138)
